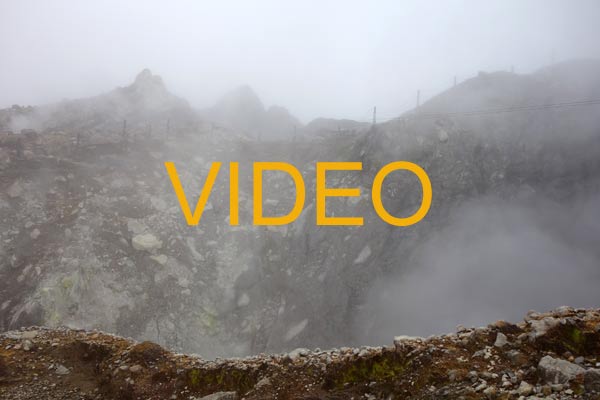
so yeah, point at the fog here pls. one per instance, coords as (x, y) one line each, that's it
(495, 260)
(334, 59)
(93, 236)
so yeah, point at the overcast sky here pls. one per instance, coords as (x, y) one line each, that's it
(317, 58)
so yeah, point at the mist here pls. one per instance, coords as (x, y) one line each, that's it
(95, 98)
(496, 260)
(192, 202)
(336, 59)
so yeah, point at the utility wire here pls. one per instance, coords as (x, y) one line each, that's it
(417, 115)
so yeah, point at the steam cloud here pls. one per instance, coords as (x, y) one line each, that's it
(495, 260)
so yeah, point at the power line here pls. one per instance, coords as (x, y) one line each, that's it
(534, 107)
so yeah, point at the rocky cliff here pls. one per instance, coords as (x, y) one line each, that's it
(93, 237)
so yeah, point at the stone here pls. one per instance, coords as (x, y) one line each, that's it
(546, 390)
(558, 387)
(516, 357)
(264, 382)
(136, 227)
(555, 370)
(297, 353)
(442, 135)
(146, 242)
(364, 254)
(525, 389)
(15, 190)
(29, 334)
(221, 396)
(563, 311)
(541, 326)
(490, 392)
(405, 343)
(592, 380)
(452, 374)
(62, 370)
(27, 345)
(243, 300)
(501, 340)
(161, 259)
(35, 234)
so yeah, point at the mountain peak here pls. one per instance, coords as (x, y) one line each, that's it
(146, 79)
(242, 98)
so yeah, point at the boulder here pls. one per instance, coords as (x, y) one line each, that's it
(554, 370)
(501, 340)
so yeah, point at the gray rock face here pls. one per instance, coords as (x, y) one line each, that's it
(555, 370)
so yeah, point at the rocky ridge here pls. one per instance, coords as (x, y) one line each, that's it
(553, 355)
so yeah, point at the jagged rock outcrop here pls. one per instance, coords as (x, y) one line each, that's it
(243, 111)
(143, 108)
